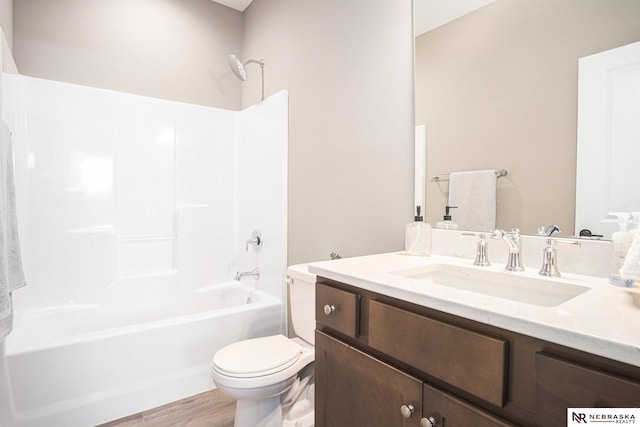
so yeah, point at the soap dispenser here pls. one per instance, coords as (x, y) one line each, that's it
(418, 236)
(620, 243)
(446, 222)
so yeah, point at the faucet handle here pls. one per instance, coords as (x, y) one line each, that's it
(482, 255)
(552, 242)
(497, 234)
(255, 241)
(550, 257)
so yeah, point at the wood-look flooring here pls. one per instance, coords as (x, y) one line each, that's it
(209, 409)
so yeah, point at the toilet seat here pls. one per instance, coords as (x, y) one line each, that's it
(275, 376)
(257, 357)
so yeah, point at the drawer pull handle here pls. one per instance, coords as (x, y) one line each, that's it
(407, 410)
(428, 422)
(328, 309)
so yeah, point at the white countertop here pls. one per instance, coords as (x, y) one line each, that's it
(605, 320)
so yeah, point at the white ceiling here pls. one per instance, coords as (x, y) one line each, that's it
(429, 14)
(240, 5)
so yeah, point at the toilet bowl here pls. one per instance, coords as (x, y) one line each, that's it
(272, 377)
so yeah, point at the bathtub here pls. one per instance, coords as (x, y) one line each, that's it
(86, 364)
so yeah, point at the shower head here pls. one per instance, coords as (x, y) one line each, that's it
(238, 68)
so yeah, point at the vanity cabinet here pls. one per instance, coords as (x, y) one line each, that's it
(379, 359)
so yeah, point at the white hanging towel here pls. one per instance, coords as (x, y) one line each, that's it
(11, 273)
(474, 194)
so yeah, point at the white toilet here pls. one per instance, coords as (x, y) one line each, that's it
(272, 377)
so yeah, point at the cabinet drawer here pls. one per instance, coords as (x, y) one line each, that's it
(451, 411)
(338, 310)
(561, 384)
(467, 360)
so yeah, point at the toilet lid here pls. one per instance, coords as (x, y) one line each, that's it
(258, 355)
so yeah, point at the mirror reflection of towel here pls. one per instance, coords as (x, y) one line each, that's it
(474, 193)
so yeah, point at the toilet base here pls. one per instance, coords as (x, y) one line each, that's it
(299, 412)
(259, 413)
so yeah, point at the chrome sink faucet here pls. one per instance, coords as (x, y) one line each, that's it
(253, 273)
(514, 241)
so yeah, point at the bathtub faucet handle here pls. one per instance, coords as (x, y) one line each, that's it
(255, 241)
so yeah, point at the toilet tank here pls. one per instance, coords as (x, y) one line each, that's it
(302, 299)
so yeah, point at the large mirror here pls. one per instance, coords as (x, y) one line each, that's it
(498, 87)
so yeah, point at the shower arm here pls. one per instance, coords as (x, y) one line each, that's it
(261, 63)
(255, 61)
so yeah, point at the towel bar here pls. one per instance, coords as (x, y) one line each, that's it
(444, 176)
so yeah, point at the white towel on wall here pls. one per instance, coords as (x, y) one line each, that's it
(474, 194)
(11, 273)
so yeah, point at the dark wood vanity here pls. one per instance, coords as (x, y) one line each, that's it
(385, 362)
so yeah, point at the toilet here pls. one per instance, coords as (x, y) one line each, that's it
(272, 377)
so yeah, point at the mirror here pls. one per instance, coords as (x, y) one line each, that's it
(497, 88)
(608, 135)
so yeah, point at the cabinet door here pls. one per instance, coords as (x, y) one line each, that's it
(355, 389)
(561, 384)
(448, 410)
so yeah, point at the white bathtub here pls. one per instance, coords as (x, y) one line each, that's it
(85, 364)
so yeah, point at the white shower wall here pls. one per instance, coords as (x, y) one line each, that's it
(261, 186)
(113, 186)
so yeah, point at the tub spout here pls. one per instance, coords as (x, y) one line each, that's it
(253, 273)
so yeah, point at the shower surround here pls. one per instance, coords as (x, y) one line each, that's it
(133, 214)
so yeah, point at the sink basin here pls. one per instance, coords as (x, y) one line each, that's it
(510, 286)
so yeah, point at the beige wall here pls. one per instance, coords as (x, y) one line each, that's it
(172, 49)
(347, 65)
(498, 89)
(6, 20)
(348, 68)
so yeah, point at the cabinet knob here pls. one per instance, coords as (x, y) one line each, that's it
(407, 410)
(328, 309)
(428, 422)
